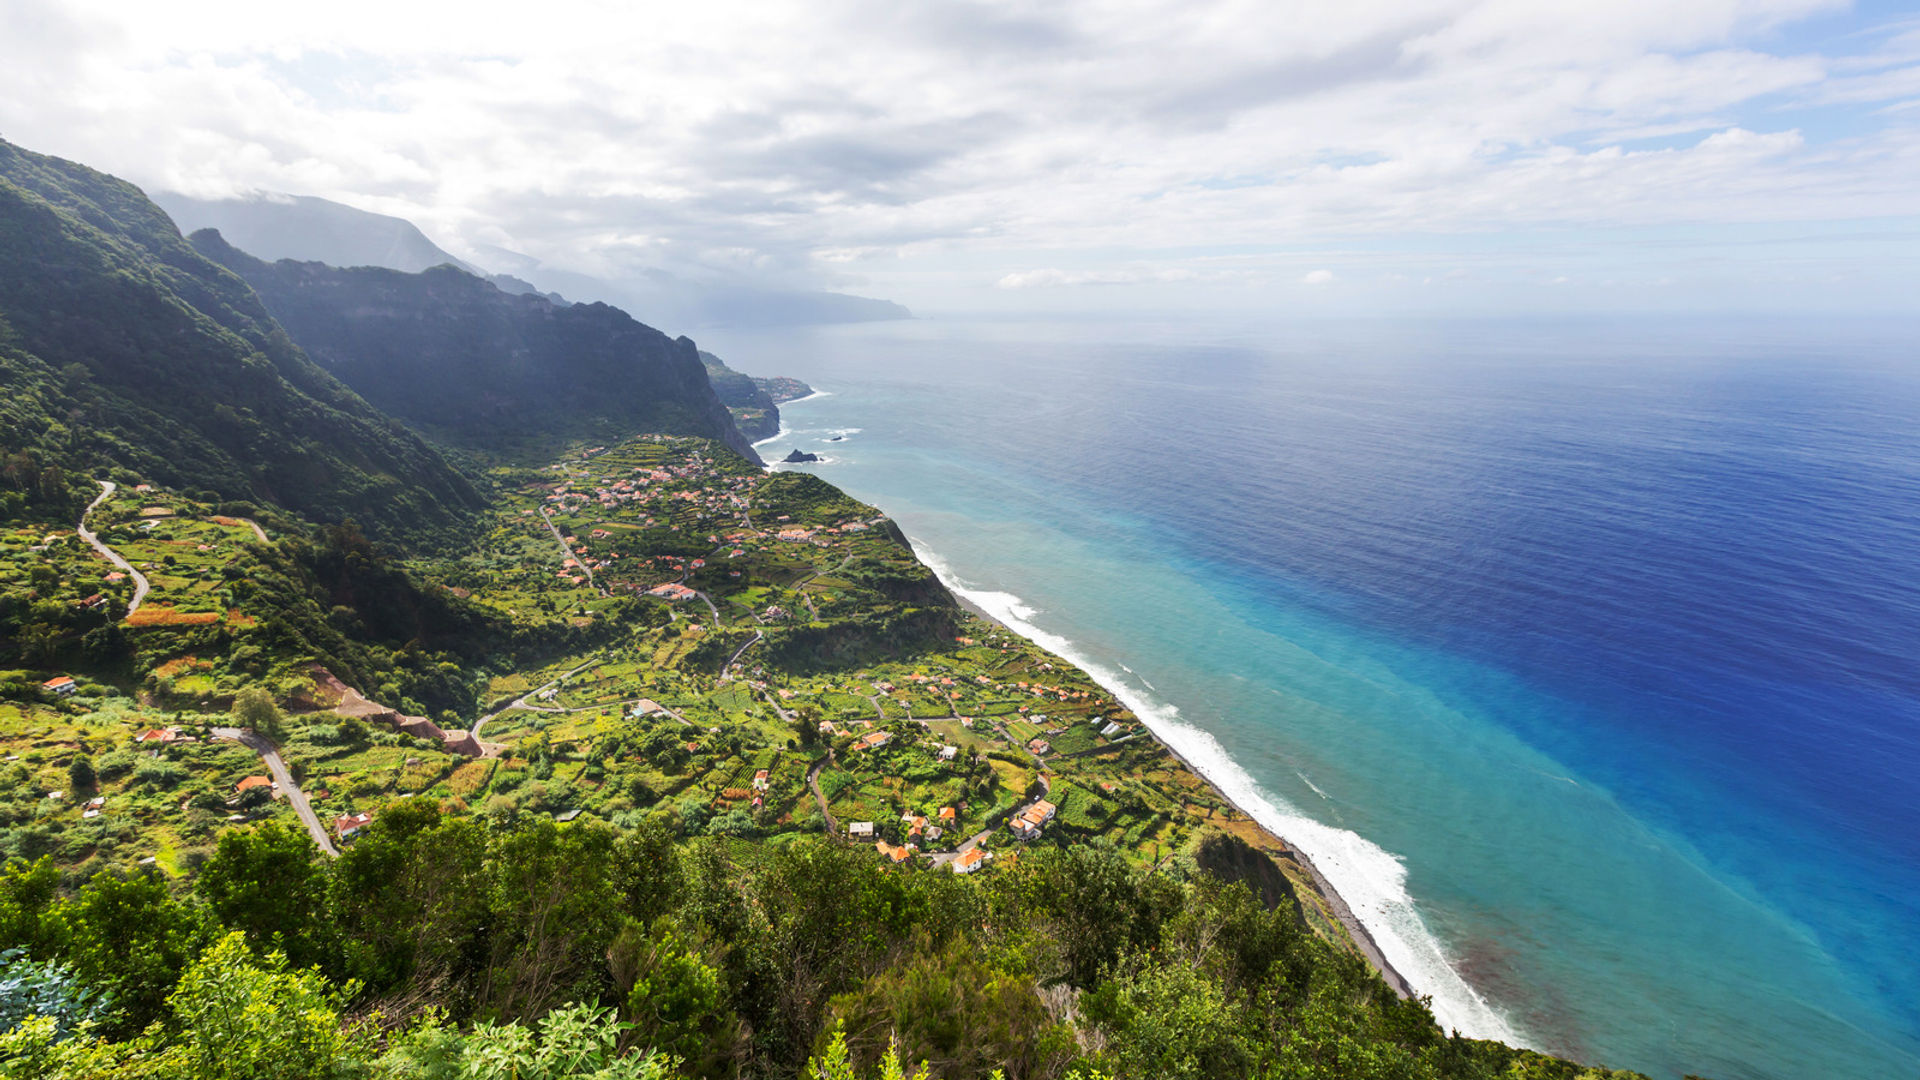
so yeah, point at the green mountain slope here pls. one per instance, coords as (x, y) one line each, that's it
(122, 347)
(484, 367)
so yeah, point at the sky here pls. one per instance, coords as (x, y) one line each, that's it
(1497, 156)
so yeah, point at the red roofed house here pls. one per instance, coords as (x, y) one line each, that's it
(252, 782)
(60, 684)
(760, 780)
(1027, 825)
(158, 735)
(969, 861)
(347, 826)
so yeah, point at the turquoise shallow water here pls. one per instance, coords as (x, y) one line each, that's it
(1580, 662)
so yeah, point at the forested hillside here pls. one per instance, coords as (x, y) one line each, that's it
(485, 368)
(127, 354)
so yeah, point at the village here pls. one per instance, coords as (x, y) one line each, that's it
(770, 661)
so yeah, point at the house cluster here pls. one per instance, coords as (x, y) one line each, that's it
(1028, 823)
(916, 826)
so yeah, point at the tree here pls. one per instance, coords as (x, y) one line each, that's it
(554, 909)
(254, 708)
(244, 1017)
(676, 1001)
(27, 895)
(129, 937)
(49, 989)
(268, 883)
(409, 898)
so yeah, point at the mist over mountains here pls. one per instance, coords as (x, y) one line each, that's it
(305, 228)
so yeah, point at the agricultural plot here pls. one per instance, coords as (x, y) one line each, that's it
(77, 785)
(838, 622)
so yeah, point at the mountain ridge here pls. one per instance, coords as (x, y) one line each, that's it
(480, 366)
(272, 226)
(135, 352)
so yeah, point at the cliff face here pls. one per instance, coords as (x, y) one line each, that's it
(754, 402)
(482, 367)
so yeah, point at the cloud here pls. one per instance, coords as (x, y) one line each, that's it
(932, 146)
(1053, 276)
(1317, 277)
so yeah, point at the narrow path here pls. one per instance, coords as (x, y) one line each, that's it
(257, 530)
(785, 716)
(801, 586)
(139, 579)
(813, 781)
(555, 710)
(708, 600)
(270, 754)
(521, 701)
(567, 552)
(758, 636)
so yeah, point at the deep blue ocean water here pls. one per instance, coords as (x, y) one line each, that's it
(1584, 658)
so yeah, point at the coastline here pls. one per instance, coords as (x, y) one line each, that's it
(1356, 930)
(1397, 931)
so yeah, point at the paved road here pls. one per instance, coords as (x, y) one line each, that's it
(557, 710)
(943, 857)
(139, 579)
(270, 754)
(567, 552)
(708, 600)
(521, 701)
(758, 636)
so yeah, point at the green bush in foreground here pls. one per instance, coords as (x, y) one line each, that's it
(440, 946)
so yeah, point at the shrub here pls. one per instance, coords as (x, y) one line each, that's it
(158, 773)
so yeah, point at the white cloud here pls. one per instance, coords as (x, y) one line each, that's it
(1317, 277)
(863, 141)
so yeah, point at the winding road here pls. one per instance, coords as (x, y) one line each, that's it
(270, 754)
(140, 585)
(758, 636)
(521, 701)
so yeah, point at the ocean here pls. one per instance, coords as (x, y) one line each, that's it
(1583, 658)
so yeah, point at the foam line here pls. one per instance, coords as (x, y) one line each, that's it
(1369, 878)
